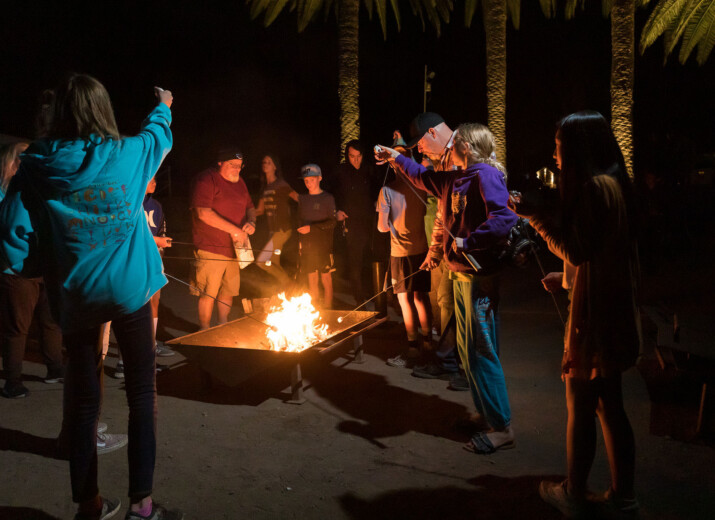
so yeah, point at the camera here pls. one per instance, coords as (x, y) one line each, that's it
(517, 245)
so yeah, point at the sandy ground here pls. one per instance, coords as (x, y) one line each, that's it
(371, 441)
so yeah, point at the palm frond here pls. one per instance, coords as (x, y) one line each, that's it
(683, 21)
(258, 7)
(470, 7)
(417, 11)
(445, 8)
(432, 15)
(513, 8)
(328, 8)
(662, 17)
(701, 22)
(307, 9)
(396, 12)
(436, 11)
(273, 11)
(571, 6)
(381, 8)
(606, 6)
(548, 7)
(706, 44)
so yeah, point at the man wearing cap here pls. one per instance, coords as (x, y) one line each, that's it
(223, 218)
(432, 137)
(316, 211)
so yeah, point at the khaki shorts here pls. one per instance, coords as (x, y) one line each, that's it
(215, 274)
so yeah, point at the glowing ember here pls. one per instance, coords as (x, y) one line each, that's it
(296, 324)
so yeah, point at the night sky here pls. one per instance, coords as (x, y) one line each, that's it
(273, 90)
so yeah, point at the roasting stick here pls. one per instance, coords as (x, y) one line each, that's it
(341, 318)
(224, 303)
(274, 251)
(543, 273)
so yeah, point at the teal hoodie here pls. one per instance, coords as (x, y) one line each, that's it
(73, 214)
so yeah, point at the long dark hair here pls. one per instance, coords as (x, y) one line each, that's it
(79, 107)
(589, 149)
(279, 170)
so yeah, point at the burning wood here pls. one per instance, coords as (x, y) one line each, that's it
(295, 325)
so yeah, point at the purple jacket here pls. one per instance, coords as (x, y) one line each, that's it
(473, 203)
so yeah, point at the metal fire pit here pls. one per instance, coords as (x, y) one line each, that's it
(237, 350)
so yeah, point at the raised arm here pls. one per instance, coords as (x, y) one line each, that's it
(424, 178)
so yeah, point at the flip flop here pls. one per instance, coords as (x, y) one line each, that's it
(482, 445)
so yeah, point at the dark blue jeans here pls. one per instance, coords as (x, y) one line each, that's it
(83, 400)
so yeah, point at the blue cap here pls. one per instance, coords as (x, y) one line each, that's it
(310, 170)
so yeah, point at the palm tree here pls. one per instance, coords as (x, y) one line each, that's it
(348, 15)
(495, 14)
(622, 14)
(692, 21)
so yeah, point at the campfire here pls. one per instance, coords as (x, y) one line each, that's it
(295, 324)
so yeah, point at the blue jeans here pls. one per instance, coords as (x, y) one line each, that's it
(476, 302)
(83, 400)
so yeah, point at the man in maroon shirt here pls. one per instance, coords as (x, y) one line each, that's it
(223, 217)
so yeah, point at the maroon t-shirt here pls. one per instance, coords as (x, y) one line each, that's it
(229, 200)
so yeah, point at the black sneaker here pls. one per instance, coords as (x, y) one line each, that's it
(433, 371)
(15, 391)
(157, 513)
(458, 383)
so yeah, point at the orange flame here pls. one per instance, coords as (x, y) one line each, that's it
(296, 324)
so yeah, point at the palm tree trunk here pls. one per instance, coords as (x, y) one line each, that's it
(495, 29)
(622, 45)
(348, 25)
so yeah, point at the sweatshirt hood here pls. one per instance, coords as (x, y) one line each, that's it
(66, 165)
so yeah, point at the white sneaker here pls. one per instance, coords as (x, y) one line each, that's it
(119, 370)
(109, 442)
(163, 351)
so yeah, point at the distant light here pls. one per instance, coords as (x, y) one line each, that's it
(547, 177)
(340, 319)
(268, 263)
(277, 252)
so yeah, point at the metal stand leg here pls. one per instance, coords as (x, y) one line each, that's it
(296, 386)
(358, 352)
(702, 411)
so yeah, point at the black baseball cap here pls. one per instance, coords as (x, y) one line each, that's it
(421, 124)
(228, 154)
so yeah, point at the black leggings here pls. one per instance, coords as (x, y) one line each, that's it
(83, 400)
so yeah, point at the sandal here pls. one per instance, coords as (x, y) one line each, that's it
(481, 444)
